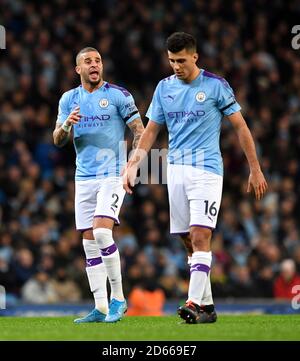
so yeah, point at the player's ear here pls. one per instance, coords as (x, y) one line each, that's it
(196, 56)
(78, 69)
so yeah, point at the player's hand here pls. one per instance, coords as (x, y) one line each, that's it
(129, 177)
(257, 183)
(74, 117)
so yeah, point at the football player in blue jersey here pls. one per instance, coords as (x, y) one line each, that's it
(192, 104)
(97, 112)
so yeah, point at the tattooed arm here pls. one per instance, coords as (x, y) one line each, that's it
(62, 132)
(147, 139)
(137, 128)
(60, 136)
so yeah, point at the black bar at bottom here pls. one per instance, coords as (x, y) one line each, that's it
(134, 350)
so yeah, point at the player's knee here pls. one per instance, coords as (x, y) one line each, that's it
(200, 238)
(103, 236)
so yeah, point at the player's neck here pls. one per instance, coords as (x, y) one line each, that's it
(193, 75)
(91, 88)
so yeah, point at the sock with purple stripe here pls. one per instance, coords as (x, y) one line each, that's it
(200, 268)
(207, 298)
(111, 259)
(96, 274)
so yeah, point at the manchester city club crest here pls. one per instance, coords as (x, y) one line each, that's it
(200, 97)
(103, 103)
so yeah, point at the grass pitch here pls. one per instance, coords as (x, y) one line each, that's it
(238, 327)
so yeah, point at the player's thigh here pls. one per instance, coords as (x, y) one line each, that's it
(110, 198)
(85, 203)
(205, 194)
(178, 201)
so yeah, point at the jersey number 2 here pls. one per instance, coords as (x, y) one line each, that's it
(114, 205)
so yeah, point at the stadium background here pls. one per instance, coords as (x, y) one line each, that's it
(247, 42)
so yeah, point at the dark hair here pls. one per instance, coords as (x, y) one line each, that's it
(179, 41)
(84, 50)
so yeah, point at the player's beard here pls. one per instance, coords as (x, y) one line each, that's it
(93, 83)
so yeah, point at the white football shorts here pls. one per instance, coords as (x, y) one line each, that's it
(97, 198)
(194, 197)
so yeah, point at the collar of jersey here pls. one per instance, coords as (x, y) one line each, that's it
(102, 86)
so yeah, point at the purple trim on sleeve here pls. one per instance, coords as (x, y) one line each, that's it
(93, 261)
(200, 267)
(109, 250)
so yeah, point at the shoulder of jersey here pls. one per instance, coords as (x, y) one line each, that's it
(116, 89)
(211, 77)
(72, 92)
(169, 79)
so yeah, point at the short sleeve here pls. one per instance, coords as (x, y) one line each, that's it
(155, 111)
(226, 101)
(127, 108)
(63, 108)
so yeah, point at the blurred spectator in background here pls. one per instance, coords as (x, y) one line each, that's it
(146, 298)
(23, 266)
(39, 289)
(8, 279)
(65, 288)
(287, 279)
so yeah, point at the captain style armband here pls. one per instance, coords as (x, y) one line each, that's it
(66, 128)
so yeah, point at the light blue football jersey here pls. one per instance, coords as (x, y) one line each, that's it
(99, 135)
(193, 113)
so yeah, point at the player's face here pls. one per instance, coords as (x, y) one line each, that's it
(183, 64)
(90, 67)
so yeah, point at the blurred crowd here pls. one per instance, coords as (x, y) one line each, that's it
(256, 245)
